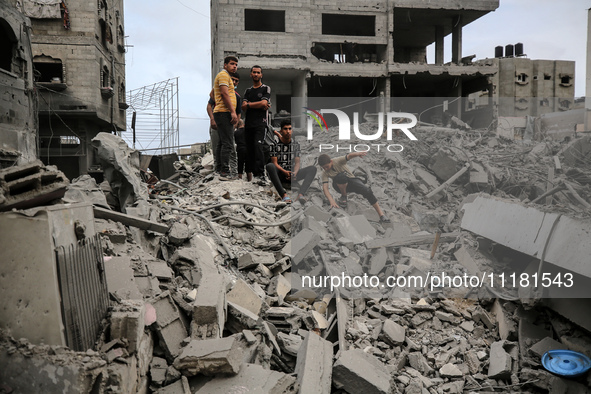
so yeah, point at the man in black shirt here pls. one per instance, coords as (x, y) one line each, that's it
(285, 164)
(255, 104)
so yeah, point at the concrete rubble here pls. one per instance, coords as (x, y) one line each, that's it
(216, 301)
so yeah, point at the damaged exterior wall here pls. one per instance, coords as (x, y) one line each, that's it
(18, 123)
(80, 76)
(312, 49)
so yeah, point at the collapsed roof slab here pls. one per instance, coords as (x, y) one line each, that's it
(527, 230)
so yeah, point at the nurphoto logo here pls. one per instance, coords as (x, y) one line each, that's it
(395, 122)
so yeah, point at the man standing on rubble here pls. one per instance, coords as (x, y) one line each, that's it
(345, 182)
(224, 114)
(256, 103)
(285, 165)
(213, 131)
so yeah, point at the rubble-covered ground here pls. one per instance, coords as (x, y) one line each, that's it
(215, 304)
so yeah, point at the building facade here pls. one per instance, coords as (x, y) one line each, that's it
(79, 61)
(18, 118)
(377, 48)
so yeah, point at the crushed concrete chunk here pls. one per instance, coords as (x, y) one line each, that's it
(245, 296)
(211, 357)
(314, 365)
(393, 332)
(500, 362)
(358, 372)
(252, 379)
(450, 371)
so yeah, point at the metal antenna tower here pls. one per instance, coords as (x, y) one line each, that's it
(153, 117)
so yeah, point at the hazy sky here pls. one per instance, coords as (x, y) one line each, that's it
(172, 39)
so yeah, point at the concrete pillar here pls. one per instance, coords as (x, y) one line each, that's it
(588, 79)
(439, 45)
(456, 40)
(390, 30)
(299, 89)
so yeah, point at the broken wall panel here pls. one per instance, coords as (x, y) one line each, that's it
(527, 230)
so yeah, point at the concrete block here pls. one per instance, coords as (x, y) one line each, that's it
(160, 270)
(178, 233)
(240, 318)
(252, 259)
(120, 279)
(209, 307)
(252, 378)
(378, 261)
(317, 227)
(300, 245)
(358, 372)
(158, 368)
(419, 362)
(37, 373)
(357, 229)
(317, 213)
(127, 322)
(145, 350)
(526, 229)
(544, 345)
(314, 365)
(466, 260)
(279, 286)
(506, 325)
(290, 343)
(244, 295)
(450, 371)
(211, 357)
(446, 162)
(181, 386)
(169, 326)
(123, 377)
(393, 332)
(500, 362)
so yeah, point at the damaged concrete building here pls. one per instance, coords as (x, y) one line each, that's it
(79, 60)
(352, 49)
(18, 103)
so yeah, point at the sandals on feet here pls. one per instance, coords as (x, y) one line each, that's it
(286, 199)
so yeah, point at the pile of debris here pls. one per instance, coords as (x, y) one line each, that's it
(207, 296)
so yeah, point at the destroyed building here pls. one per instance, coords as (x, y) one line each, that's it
(18, 103)
(352, 49)
(79, 61)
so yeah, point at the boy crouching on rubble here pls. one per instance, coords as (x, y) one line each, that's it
(345, 182)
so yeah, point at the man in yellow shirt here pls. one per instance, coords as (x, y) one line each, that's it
(224, 113)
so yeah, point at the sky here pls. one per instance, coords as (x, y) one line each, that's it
(172, 39)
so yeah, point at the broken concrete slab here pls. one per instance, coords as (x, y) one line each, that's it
(450, 371)
(314, 364)
(466, 260)
(245, 296)
(211, 356)
(169, 326)
(317, 213)
(181, 386)
(127, 322)
(378, 261)
(500, 362)
(209, 307)
(252, 378)
(357, 229)
(393, 332)
(527, 229)
(506, 325)
(358, 372)
(160, 270)
(252, 259)
(178, 233)
(120, 278)
(279, 286)
(300, 245)
(544, 345)
(240, 318)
